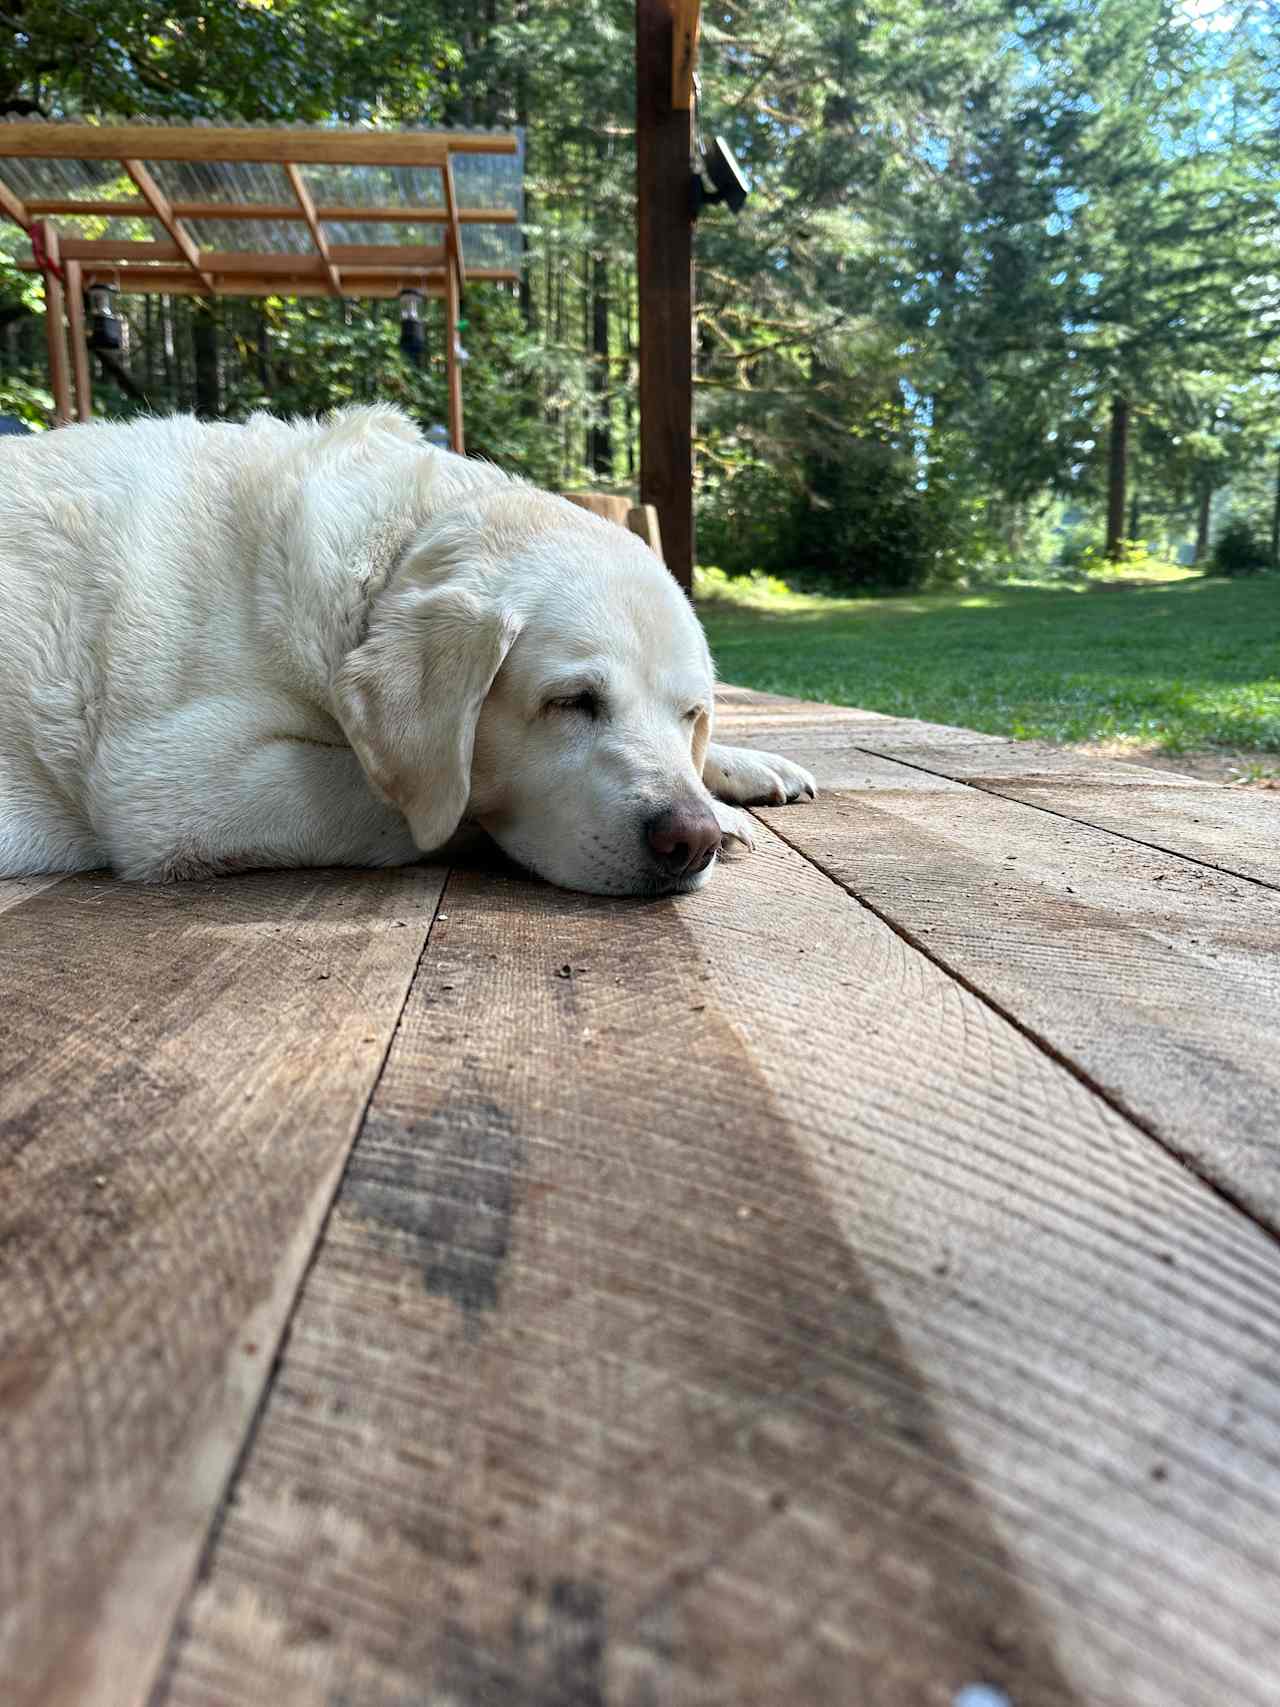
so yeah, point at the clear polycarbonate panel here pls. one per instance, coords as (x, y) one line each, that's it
(221, 180)
(492, 246)
(375, 186)
(267, 236)
(383, 232)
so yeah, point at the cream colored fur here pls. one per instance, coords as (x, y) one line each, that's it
(301, 643)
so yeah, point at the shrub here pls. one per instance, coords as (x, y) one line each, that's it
(857, 519)
(747, 522)
(1238, 550)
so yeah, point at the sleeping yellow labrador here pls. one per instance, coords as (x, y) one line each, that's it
(299, 643)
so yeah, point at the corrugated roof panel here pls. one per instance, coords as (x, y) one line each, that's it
(491, 180)
(371, 231)
(221, 180)
(269, 236)
(112, 230)
(67, 180)
(492, 246)
(375, 186)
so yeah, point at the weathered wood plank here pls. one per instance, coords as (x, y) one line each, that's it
(723, 1305)
(1236, 830)
(16, 889)
(1158, 979)
(181, 1073)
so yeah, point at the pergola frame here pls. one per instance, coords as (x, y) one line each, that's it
(178, 266)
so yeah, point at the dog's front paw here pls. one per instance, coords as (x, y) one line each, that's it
(735, 829)
(746, 777)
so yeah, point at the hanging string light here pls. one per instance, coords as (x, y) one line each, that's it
(105, 332)
(413, 335)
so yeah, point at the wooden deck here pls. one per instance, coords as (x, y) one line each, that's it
(854, 1283)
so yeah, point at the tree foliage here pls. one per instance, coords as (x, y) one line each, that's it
(974, 227)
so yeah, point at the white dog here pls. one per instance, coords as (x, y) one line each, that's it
(284, 644)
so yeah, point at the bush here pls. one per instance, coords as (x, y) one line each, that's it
(1239, 550)
(747, 522)
(859, 520)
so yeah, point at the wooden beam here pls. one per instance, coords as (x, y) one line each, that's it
(55, 327)
(453, 367)
(180, 281)
(686, 25)
(398, 214)
(406, 257)
(303, 195)
(79, 346)
(664, 269)
(155, 196)
(231, 143)
(13, 205)
(453, 240)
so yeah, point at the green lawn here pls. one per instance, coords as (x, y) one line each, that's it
(1179, 663)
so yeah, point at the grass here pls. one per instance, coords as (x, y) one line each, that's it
(1180, 662)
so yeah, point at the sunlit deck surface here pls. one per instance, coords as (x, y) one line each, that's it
(853, 1283)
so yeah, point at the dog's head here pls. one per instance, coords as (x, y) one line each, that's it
(538, 671)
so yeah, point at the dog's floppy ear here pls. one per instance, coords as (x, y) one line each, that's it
(409, 699)
(701, 740)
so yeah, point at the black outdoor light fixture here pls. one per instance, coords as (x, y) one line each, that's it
(728, 184)
(413, 334)
(105, 332)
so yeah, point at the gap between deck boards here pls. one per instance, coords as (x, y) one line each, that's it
(1094, 823)
(1113, 1100)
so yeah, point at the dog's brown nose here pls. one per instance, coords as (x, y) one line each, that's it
(684, 839)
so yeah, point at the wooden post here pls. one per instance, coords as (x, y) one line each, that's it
(452, 309)
(55, 325)
(79, 347)
(664, 267)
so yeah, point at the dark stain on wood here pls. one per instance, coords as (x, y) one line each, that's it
(556, 1656)
(446, 1185)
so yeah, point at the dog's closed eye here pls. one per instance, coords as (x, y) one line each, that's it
(587, 703)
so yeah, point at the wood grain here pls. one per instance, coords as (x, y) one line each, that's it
(1157, 977)
(181, 1073)
(14, 890)
(371, 212)
(664, 280)
(319, 146)
(77, 339)
(724, 1306)
(1234, 829)
(1159, 980)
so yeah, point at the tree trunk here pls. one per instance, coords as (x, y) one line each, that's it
(522, 121)
(1117, 475)
(1203, 520)
(1275, 523)
(1135, 515)
(601, 433)
(148, 343)
(204, 348)
(167, 350)
(262, 352)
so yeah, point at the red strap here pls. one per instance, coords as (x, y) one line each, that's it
(41, 253)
